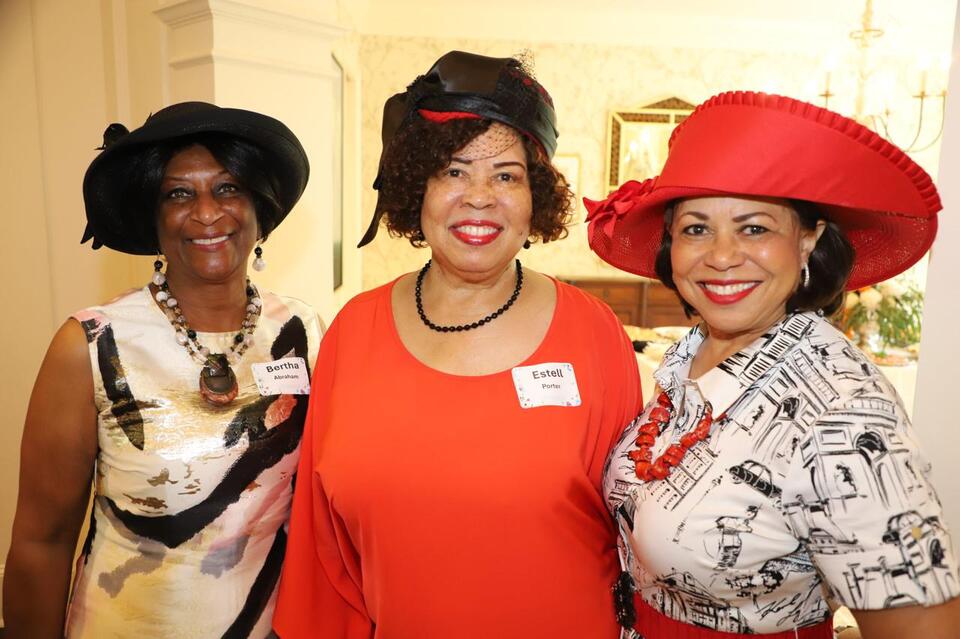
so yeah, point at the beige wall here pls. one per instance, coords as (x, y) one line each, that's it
(53, 106)
(587, 82)
(25, 332)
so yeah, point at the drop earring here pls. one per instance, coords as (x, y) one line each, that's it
(526, 244)
(259, 263)
(158, 277)
(806, 276)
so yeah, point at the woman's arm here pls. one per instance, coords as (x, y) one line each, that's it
(935, 622)
(319, 593)
(57, 457)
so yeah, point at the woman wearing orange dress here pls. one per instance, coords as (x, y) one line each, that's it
(461, 416)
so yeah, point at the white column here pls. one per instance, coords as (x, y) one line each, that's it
(937, 412)
(276, 58)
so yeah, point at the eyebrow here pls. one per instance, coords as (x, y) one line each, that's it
(497, 165)
(740, 218)
(183, 178)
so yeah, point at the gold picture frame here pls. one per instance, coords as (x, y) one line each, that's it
(637, 140)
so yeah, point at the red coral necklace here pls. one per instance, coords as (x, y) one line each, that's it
(648, 469)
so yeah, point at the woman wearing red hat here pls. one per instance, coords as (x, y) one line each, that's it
(774, 462)
(462, 415)
(164, 397)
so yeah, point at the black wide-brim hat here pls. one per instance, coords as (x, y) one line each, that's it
(112, 219)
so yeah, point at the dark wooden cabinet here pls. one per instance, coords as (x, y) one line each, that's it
(645, 303)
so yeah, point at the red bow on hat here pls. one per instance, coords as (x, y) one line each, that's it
(605, 213)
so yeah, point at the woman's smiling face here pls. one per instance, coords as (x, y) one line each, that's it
(476, 212)
(737, 260)
(206, 222)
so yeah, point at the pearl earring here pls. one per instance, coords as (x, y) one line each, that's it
(158, 277)
(259, 263)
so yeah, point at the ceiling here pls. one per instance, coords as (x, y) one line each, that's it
(738, 24)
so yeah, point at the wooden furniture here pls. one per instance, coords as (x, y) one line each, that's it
(639, 302)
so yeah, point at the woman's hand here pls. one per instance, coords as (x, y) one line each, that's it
(57, 457)
(935, 622)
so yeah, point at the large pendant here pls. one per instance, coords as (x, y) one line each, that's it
(218, 384)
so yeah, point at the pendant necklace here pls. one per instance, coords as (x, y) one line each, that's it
(218, 382)
(418, 296)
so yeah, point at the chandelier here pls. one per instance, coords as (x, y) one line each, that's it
(865, 110)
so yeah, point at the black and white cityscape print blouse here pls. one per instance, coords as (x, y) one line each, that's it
(815, 478)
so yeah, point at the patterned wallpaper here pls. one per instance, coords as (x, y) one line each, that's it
(587, 82)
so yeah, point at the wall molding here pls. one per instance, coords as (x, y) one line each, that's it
(298, 20)
(244, 58)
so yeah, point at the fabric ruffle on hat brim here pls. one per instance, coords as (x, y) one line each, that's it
(110, 220)
(752, 144)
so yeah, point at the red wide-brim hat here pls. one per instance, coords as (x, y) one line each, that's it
(755, 144)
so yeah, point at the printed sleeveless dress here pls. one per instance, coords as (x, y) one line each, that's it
(191, 501)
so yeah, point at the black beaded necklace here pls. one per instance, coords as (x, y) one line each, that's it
(418, 295)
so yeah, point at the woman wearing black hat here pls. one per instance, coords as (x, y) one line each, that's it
(775, 465)
(170, 397)
(449, 485)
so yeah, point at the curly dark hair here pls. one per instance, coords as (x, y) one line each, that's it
(423, 148)
(830, 263)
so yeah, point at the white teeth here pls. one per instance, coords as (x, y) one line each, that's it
(729, 289)
(210, 240)
(471, 229)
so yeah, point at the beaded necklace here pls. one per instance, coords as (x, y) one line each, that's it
(218, 382)
(648, 469)
(418, 296)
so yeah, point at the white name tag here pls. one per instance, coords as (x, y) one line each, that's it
(287, 376)
(550, 384)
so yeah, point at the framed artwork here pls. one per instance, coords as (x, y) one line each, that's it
(637, 140)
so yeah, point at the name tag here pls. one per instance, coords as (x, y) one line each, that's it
(550, 384)
(287, 376)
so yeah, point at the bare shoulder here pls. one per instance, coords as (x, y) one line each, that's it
(69, 346)
(63, 392)
(59, 445)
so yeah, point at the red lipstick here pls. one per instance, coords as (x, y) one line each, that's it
(727, 291)
(476, 232)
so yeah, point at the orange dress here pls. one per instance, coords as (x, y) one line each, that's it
(432, 505)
